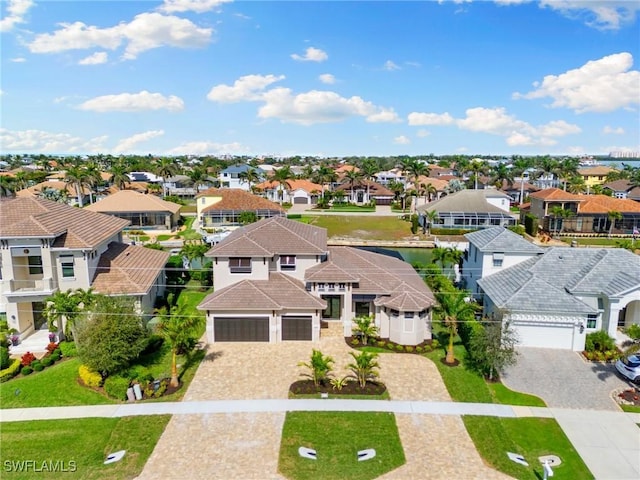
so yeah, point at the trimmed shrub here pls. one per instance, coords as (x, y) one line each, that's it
(47, 361)
(55, 357)
(116, 387)
(68, 349)
(89, 377)
(26, 370)
(139, 373)
(5, 361)
(51, 347)
(37, 366)
(27, 359)
(599, 341)
(154, 344)
(409, 349)
(467, 330)
(633, 331)
(11, 371)
(531, 224)
(419, 349)
(400, 348)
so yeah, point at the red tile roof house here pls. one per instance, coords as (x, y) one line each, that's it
(46, 247)
(276, 280)
(297, 191)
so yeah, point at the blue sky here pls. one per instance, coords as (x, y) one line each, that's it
(329, 78)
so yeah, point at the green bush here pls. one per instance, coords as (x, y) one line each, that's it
(54, 357)
(400, 348)
(154, 344)
(633, 331)
(599, 341)
(47, 361)
(37, 366)
(68, 349)
(531, 224)
(26, 370)
(11, 371)
(139, 373)
(4, 357)
(116, 387)
(519, 229)
(449, 231)
(467, 330)
(89, 377)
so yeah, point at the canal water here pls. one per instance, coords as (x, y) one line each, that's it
(409, 255)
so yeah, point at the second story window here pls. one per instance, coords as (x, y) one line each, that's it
(35, 265)
(239, 265)
(287, 262)
(68, 270)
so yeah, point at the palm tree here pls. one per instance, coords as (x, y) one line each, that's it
(365, 367)
(251, 176)
(567, 170)
(119, 177)
(179, 331)
(165, 168)
(198, 176)
(430, 218)
(575, 184)
(476, 167)
(282, 177)
(430, 192)
(452, 308)
(500, 174)
(93, 178)
(7, 186)
(558, 212)
(613, 217)
(365, 328)
(325, 175)
(319, 367)
(353, 177)
(77, 177)
(398, 190)
(368, 170)
(62, 309)
(547, 166)
(441, 255)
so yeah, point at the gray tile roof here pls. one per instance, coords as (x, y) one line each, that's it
(272, 236)
(467, 201)
(500, 239)
(551, 282)
(280, 292)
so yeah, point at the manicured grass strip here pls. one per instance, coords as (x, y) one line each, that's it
(630, 408)
(529, 437)
(361, 227)
(503, 395)
(55, 386)
(86, 442)
(337, 437)
(384, 396)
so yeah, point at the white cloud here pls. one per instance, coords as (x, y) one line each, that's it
(37, 141)
(402, 140)
(145, 32)
(318, 106)
(422, 133)
(127, 145)
(312, 54)
(198, 6)
(18, 60)
(247, 88)
(327, 78)
(208, 148)
(94, 59)
(417, 118)
(133, 102)
(602, 85)
(600, 14)
(607, 130)
(384, 115)
(16, 11)
(390, 66)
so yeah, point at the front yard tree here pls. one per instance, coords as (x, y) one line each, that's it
(365, 367)
(319, 367)
(494, 347)
(452, 308)
(365, 328)
(179, 331)
(62, 309)
(613, 217)
(111, 336)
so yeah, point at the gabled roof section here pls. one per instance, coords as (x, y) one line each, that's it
(329, 272)
(73, 227)
(128, 270)
(555, 194)
(280, 292)
(293, 184)
(131, 201)
(500, 239)
(467, 201)
(272, 236)
(605, 204)
(237, 199)
(374, 187)
(405, 301)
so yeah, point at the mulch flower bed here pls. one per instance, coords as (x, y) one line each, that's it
(306, 387)
(630, 396)
(424, 347)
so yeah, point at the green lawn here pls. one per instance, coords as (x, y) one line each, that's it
(529, 437)
(86, 442)
(384, 396)
(55, 386)
(352, 208)
(188, 233)
(337, 437)
(163, 238)
(630, 408)
(361, 227)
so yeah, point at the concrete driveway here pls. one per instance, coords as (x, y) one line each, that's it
(563, 379)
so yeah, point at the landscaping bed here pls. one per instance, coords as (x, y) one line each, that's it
(307, 387)
(381, 345)
(629, 396)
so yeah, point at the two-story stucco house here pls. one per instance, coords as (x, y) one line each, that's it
(492, 250)
(277, 280)
(47, 247)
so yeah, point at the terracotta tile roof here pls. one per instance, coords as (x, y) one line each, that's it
(51, 185)
(375, 189)
(439, 184)
(128, 270)
(142, 187)
(600, 170)
(299, 184)
(280, 292)
(556, 194)
(448, 177)
(272, 236)
(346, 168)
(237, 199)
(605, 204)
(516, 185)
(73, 227)
(130, 201)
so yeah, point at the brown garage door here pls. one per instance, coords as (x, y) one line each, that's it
(296, 328)
(302, 200)
(241, 329)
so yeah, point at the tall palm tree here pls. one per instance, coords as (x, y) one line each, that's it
(7, 186)
(198, 177)
(353, 177)
(430, 192)
(63, 308)
(476, 167)
(93, 178)
(547, 165)
(165, 168)
(575, 184)
(398, 190)
(251, 176)
(76, 176)
(368, 170)
(501, 173)
(119, 175)
(430, 218)
(452, 308)
(613, 216)
(282, 176)
(567, 170)
(179, 331)
(558, 212)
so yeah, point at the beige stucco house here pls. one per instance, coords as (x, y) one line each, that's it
(277, 280)
(46, 247)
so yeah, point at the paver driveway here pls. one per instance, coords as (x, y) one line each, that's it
(246, 446)
(563, 379)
